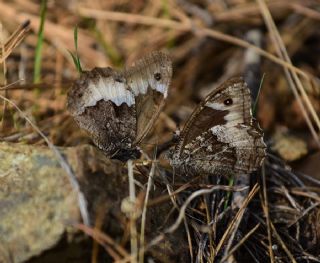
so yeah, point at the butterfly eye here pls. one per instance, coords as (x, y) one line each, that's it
(228, 102)
(157, 76)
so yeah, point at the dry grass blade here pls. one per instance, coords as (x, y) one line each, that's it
(102, 239)
(181, 216)
(241, 242)
(283, 245)
(236, 220)
(185, 205)
(170, 196)
(14, 40)
(133, 227)
(303, 10)
(144, 213)
(265, 207)
(6, 48)
(305, 212)
(5, 79)
(293, 79)
(187, 27)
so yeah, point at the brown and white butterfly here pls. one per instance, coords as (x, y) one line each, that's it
(118, 108)
(221, 137)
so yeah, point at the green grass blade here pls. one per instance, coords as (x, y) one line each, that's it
(228, 195)
(75, 37)
(75, 57)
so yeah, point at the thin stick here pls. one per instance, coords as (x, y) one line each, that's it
(283, 245)
(144, 213)
(303, 10)
(102, 238)
(235, 221)
(265, 208)
(133, 228)
(224, 259)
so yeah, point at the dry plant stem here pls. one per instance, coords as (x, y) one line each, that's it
(103, 239)
(144, 213)
(187, 27)
(313, 196)
(234, 249)
(72, 179)
(210, 232)
(282, 52)
(251, 9)
(4, 114)
(300, 103)
(236, 220)
(100, 216)
(283, 245)
(265, 208)
(303, 10)
(186, 226)
(237, 202)
(305, 212)
(14, 40)
(181, 215)
(172, 197)
(187, 202)
(133, 228)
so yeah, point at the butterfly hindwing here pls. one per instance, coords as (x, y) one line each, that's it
(221, 136)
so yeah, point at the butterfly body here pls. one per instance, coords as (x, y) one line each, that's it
(221, 137)
(118, 108)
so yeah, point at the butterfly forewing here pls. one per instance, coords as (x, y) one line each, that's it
(117, 108)
(220, 136)
(149, 79)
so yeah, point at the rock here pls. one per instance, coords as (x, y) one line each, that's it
(38, 206)
(37, 202)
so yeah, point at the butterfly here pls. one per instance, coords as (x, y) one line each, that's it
(118, 108)
(221, 137)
